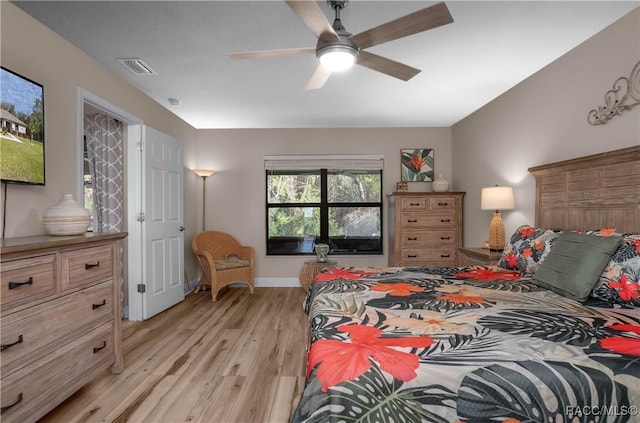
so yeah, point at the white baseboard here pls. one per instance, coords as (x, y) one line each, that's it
(277, 282)
(191, 285)
(260, 283)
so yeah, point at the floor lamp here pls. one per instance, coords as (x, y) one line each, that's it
(204, 174)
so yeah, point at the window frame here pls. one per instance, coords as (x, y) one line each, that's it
(324, 207)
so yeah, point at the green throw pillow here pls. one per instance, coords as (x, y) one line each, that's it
(575, 263)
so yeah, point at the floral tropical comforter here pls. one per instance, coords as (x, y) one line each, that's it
(474, 344)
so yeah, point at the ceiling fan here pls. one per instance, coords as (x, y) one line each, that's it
(337, 49)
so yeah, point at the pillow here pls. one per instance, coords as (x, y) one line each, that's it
(574, 265)
(527, 248)
(620, 281)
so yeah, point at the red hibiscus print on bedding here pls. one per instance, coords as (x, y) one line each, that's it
(526, 232)
(511, 259)
(627, 290)
(397, 289)
(621, 344)
(339, 273)
(488, 274)
(341, 361)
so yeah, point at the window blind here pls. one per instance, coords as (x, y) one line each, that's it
(335, 161)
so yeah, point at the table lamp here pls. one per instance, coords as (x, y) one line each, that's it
(497, 198)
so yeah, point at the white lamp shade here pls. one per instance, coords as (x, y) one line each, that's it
(204, 172)
(497, 198)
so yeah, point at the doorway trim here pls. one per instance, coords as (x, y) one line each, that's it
(132, 182)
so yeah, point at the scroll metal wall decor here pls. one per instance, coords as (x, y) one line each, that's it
(619, 99)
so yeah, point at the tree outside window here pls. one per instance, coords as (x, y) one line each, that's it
(342, 208)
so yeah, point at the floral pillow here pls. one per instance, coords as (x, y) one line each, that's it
(620, 281)
(527, 248)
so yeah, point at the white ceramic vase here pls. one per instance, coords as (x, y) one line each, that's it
(66, 218)
(440, 184)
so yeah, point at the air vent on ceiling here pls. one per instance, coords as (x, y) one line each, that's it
(137, 66)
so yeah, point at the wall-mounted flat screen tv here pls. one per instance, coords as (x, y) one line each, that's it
(21, 129)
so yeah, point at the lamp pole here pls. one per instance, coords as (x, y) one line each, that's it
(204, 174)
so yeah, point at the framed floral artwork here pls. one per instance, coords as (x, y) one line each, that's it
(416, 164)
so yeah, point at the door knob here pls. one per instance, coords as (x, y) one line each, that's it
(182, 228)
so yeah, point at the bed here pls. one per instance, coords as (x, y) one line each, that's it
(501, 343)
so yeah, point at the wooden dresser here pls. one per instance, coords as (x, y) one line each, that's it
(425, 228)
(60, 319)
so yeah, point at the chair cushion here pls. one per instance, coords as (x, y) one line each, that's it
(230, 264)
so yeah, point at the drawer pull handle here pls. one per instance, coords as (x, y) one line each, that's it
(94, 306)
(96, 349)
(445, 237)
(16, 402)
(412, 220)
(7, 346)
(445, 255)
(443, 204)
(412, 255)
(414, 204)
(88, 266)
(14, 285)
(445, 220)
(412, 239)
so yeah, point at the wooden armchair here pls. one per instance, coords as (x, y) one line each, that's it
(223, 260)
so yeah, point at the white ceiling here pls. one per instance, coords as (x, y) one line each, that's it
(490, 47)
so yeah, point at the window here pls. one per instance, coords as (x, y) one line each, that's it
(332, 200)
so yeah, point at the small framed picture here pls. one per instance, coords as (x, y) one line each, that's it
(401, 187)
(416, 164)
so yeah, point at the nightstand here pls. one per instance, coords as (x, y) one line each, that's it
(311, 268)
(478, 257)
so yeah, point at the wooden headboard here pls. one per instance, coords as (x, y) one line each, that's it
(602, 190)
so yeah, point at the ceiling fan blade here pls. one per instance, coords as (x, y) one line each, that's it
(314, 18)
(319, 77)
(272, 53)
(386, 66)
(419, 21)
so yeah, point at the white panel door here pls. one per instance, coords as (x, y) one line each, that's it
(163, 230)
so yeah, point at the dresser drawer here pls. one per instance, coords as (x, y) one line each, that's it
(413, 221)
(441, 256)
(29, 334)
(27, 280)
(34, 390)
(86, 266)
(442, 203)
(413, 239)
(416, 204)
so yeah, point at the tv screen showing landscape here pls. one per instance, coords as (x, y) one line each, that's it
(21, 129)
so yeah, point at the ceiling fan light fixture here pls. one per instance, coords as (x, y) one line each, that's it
(337, 57)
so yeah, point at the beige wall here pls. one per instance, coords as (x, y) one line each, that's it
(236, 194)
(31, 49)
(539, 121)
(544, 120)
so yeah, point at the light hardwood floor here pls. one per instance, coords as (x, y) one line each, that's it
(238, 360)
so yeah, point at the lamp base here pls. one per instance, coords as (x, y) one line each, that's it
(496, 233)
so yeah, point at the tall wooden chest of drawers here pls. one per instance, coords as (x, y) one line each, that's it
(60, 319)
(425, 228)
